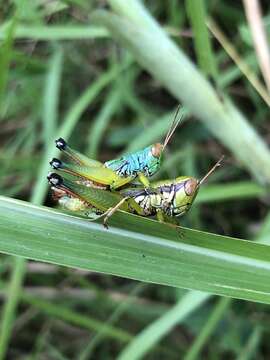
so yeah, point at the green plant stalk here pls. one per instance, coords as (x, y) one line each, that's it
(252, 344)
(51, 98)
(197, 14)
(72, 317)
(231, 192)
(55, 32)
(10, 305)
(242, 65)
(5, 59)
(87, 353)
(151, 335)
(215, 316)
(156, 52)
(138, 248)
(101, 121)
(77, 319)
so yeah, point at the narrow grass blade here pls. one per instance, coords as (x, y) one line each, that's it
(9, 309)
(76, 318)
(252, 344)
(5, 59)
(231, 191)
(197, 15)
(242, 65)
(55, 32)
(153, 333)
(101, 122)
(51, 96)
(120, 310)
(210, 326)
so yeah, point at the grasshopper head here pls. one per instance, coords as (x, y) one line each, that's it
(157, 150)
(191, 186)
(154, 158)
(186, 189)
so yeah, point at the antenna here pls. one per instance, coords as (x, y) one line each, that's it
(176, 120)
(217, 164)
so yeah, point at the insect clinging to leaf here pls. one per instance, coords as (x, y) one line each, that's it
(114, 174)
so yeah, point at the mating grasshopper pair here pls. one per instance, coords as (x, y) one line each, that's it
(91, 188)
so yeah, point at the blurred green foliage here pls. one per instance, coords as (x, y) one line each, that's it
(61, 74)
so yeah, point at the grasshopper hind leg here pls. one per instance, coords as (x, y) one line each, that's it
(111, 211)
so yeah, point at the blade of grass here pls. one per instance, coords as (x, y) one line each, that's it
(102, 121)
(260, 41)
(10, 306)
(242, 65)
(152, 48)
(252, 344)
(5, 59)
(138, 248)
(76, 318)
(233, 191)
(51, 96)
(55, 32)
(197, 14)
(119, 311)
(215, 317)
(151, 335)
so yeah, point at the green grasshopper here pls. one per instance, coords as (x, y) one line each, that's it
(115, 174)
(164, 199)
(75, 196)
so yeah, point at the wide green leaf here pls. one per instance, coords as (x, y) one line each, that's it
(138, 248)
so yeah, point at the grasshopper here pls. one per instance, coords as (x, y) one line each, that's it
(87, 200)
(164, 199)
(116, 173)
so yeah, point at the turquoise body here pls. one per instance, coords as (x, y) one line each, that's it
(142, 161)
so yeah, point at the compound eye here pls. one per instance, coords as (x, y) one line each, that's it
(61, 144)
(191, 186)
(156, 150)
(55, 163)
(55, 179)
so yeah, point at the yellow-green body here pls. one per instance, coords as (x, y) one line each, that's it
(168, 198)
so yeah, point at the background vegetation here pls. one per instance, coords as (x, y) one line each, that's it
(108, 77)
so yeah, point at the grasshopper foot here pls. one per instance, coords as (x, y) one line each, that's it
(106, 218)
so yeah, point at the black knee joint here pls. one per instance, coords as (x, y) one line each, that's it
(61, 144)
(56, 163)
(55, 179)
